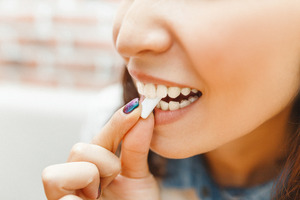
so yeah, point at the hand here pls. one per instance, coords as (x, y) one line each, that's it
(94, 168)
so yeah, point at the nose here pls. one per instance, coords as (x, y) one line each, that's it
(142, 29)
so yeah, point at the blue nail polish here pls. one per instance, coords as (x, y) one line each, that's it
(133, 104)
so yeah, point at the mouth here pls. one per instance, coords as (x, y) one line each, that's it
(173, 98)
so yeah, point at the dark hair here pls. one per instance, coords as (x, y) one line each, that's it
(288, 184)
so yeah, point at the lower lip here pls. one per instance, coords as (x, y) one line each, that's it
(167, 117)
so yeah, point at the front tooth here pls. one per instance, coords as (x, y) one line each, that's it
(140, 87)
(192, 99)
(150, 91)
(184, 103)
(185, 91)
(164, 105)
(174, 105)
(161, 91)
(173, 92)
(194, 91)
(158, 105)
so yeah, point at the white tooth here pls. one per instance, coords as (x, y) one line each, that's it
(192, 99)
(173, 92)
(194, 91)
(150, 91)
(185, 91)
(140, 87)
(158, 105)
(164, 105)
(184, 103)
(161, 91)
(174, 105)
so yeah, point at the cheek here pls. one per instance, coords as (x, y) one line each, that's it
(248, 65)
(234, 43)
(249, 75)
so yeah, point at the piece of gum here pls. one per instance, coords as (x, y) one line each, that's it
(148, 105)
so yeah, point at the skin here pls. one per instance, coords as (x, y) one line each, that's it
(242, 55)
(93, 166)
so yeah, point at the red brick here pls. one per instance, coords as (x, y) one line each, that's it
(92, 84)
(75, 20)
(76, 66)
(93, 44)
(17, 19)
(21, 63)
(30, 41)
(33, 80)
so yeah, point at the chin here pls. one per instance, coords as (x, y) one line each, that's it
(167, 148)
(169, 154)
(179, 146)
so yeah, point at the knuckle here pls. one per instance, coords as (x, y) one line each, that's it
(78, 149)
(48, 177)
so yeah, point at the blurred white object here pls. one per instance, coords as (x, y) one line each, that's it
(38, 127)
(148, 105)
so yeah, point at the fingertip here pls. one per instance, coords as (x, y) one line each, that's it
(130, 106)
(130, 113)
(151, 117)
(133, 114)
(148, 122)
(135, 149)
(64, 179)
(120, 118)
(119, 124)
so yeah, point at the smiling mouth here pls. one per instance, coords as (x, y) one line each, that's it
(173, 98)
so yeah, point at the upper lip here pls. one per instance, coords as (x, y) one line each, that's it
(146, 78)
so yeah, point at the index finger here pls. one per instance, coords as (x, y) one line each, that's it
(115, 129)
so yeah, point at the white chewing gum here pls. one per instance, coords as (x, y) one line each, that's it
(148, 105)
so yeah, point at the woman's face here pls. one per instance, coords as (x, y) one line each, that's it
(243, 55)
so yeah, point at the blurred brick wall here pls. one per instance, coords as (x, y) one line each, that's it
(58, 43)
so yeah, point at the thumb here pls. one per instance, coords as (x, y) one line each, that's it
(135, 149)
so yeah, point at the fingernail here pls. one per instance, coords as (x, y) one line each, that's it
(99, 192)
(129, 107)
